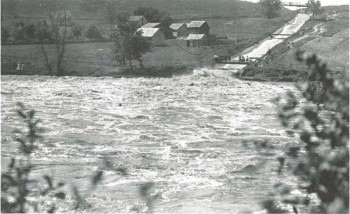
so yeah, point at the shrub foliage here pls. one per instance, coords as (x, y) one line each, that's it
(323, 126)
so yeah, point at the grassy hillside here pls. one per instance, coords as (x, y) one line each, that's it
(94, 9)
(328, 39)
(225, 18)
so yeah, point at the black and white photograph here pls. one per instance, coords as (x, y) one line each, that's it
(175, 106)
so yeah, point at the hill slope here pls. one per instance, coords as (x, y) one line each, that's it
(94, 9)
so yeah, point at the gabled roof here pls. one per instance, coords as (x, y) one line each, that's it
(136, 18)
(176, 26)
(148, 32)
(151, 25)
(195, 36)
(196, 24)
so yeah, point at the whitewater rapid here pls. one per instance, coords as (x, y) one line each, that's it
(183, 133)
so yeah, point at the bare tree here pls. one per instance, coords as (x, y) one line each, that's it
(59, 40)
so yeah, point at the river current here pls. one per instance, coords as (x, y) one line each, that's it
(184, 134)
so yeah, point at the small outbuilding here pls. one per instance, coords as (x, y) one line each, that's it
(196, 40)
(179, 30)
(139, 20)
(198, 27)
(155, 35)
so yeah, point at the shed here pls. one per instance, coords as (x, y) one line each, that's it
(63, 17)
(152, 25)
(155, 35)
(198, 27)
(195, 40)
(139, 20)
(179, 30)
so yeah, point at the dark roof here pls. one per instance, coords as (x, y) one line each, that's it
(176, 26)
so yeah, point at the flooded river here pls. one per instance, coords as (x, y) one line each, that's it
(183, 133)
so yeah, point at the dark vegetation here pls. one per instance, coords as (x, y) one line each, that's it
(270, 8)
(314, 7)
(321, 162)
(273, 73)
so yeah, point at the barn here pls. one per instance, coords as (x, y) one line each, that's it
(179, 30)
(155, 35)
(196, 40)
(198, 27)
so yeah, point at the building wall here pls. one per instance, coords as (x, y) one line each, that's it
(202, 30)
(182, 32)
(196, 43)
(158, 39)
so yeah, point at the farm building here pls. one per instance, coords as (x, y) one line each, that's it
(63, 17)
(155, 35)
(195, 40)
(139, 20)
(179, 30)
(198, 27)
(152, 25)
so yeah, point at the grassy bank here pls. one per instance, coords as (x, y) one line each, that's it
(328, 39)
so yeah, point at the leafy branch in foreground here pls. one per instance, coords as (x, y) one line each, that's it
(322, 165)
(17, 187)
(21, 193)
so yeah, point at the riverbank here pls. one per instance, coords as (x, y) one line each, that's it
(328, 39)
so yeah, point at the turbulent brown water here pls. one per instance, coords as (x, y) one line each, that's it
(182, 133)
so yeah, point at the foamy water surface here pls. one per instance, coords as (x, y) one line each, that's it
(182, 133)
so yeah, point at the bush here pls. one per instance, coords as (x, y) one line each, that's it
(93, 33)
(5, 34)
(323, 166)
(17, 185)
(77, 31)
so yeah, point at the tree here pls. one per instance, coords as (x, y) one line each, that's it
(43, 31)
(19, 31)
(314, 7)
(77, 30)
(323, 166)
(30, 31)
(139, 46)
(270, 8)
(5, 34)
(59, 39)
(129, 45)
(93, 32)
(111, 7)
